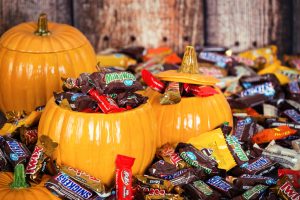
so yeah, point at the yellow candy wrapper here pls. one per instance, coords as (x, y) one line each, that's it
(269, 53)
(115, 60)
(27, 121)
(283, 73)
(215, 143)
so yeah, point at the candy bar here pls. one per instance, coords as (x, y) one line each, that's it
(286, 190)
(252, 193)
(268, 135)
(84, 179)
(245, 128)
(165, 170)
(247, 181)
(168, 154)
(225, 188)
(213, 144)
(155, 183)
(66, 188)
(114, 82)
(41, 154)
(198, 159)
(236, 150)
(15, 152)
(124, 177)
(200, 190)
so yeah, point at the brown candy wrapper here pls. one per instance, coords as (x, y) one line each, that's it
(39, 158)
(197, 159)
(15, 152)
(155, 183)
(132, 100)
(252, 193)
(168, 154)
(164, 170)
(225, 188)
(164, 197)
(200, 190)
(114, 82)
(87, 180)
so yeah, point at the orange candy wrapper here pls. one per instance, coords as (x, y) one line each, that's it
(270, 134)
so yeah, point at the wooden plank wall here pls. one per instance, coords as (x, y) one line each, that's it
(239, 24)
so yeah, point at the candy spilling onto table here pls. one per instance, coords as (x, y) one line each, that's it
(257, 158)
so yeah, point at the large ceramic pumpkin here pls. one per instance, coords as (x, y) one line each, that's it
(23, 191)
(91, 141)
(33, 58)
(192, 115)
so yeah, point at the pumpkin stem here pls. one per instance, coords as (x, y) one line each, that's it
(42, 26)
(19, 178)
(189, 62)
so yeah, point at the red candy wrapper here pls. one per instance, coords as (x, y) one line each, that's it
(152, 81)
(200, 91)
(124, 177)
(105, 103)
(292, 174)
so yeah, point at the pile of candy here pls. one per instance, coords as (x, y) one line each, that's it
(257, 158)
(107, 91)
(222, 166)
(135, 59)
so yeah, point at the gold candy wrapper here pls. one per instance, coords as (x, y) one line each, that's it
(27, 121)
(171, 95)
(84, 178)
(155, 183)
(164, 197)
(39, 158)
(13, 116)
(269, 53)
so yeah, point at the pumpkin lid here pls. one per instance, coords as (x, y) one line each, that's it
(188, 71)
(42, 37)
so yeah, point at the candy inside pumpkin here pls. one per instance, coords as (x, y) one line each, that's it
(192, 115)
(91, 141)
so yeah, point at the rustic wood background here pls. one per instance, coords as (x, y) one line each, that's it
(238, 24)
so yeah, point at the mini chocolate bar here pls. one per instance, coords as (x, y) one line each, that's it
(64, 187)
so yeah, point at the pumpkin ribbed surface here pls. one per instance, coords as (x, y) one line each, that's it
(35, 192)
(90, 141)
(62, 37)
(31, 66)
(189, 118)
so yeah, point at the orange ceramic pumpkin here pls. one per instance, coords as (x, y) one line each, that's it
(23, 191)
(91, 141)
(34, 57)
(192, 115)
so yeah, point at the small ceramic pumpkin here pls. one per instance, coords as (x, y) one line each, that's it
(13, 186)
(91, 141)
(34, 57)
(193, 115)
